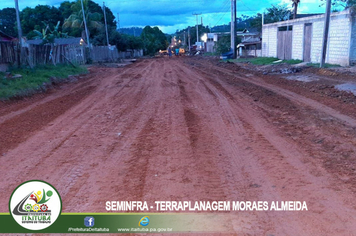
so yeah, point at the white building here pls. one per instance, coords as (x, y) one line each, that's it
(302, 39)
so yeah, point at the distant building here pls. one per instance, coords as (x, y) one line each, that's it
(302, 39)
(210, 39)
(250, 47)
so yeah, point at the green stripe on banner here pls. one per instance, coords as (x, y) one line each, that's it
(126, 223)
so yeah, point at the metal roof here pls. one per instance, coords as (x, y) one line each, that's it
(58, 41)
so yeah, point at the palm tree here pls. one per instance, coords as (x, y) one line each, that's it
(295, 5)
(75, 20)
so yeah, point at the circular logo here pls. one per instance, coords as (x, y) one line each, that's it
(144, 221)
(35, 205)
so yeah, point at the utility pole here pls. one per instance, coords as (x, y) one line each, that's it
(118, 21)
(233, 27)
(85, 24)
(19, 32)
(326, 32)
(106, 25)
(189, 39)
(196, 14)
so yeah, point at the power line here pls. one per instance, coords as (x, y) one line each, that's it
(221, 9)
(226, 11)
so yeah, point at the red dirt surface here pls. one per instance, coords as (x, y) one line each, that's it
(189, 129)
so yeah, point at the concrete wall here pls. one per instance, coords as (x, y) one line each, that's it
(269, 41)
(353, 42)
(209, 46)
(339, 41)
(297, 41)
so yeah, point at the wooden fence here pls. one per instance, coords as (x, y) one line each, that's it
(107, 54)
(60, 54)
(8, 52)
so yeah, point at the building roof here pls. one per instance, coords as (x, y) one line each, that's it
(5, 37)
(251, 40)
(298, 16)
(58, 41)
(248, 32)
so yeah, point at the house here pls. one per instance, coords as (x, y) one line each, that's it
(250, 47)
(58, 41)
(5, 37)
(302, 39)
(248, 34)
(210, 39)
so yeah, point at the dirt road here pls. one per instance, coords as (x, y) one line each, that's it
(188, 129)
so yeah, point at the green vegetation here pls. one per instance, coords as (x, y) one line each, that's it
(209, 54)
(39, 21)
(36, 80)
(292, 61)
(266, 61)
(153, 40)
(326, 65)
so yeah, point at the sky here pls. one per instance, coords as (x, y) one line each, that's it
(170, 15)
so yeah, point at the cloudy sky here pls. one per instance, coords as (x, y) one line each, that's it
(171, 15)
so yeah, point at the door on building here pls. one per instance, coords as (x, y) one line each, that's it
(284, 42)
(307, 42)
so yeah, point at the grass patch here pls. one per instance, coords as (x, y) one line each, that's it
(209, 54)
(292, 61)
(35, 80)
(257, 60)
(326, 65)
(266, 61)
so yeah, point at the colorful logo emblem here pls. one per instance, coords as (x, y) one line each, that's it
(144, 221)
(35, 205)
(89, 221)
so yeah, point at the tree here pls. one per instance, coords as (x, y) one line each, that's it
(75, 21)
(223, 45)
(153, 40)
(277, 13)
(193, 33)
(32, 18)
(8, 21)
(96, 8)
(343, 3)
(48, 35)
(274, 14)
(66, 9)
(123, 42)
(295, 6)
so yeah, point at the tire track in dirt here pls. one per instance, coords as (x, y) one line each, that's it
(293, 97)
(163, 131)
(141, 152)
(276, 146)
(71, 176)
(10, 109)
(19, 128)
(315, 130)
(236, 162)
(133, 119)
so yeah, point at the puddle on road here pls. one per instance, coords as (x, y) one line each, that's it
(302, 78)
(349, 87)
